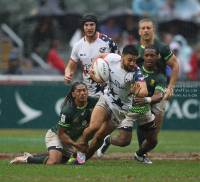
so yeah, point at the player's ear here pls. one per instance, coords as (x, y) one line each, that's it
(139, 32)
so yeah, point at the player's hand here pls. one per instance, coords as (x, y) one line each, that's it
(135, 88)
(139, 100)
(169, 93)
(82, 147)
(92, 73)
(68, 78)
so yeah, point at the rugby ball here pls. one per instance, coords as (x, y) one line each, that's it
(101, 69)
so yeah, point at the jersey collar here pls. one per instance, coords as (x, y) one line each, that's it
(83, 106)
(146, 70)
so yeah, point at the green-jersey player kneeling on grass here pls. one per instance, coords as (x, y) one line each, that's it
(61, 139)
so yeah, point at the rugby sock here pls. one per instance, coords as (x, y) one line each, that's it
(140, 136)
(42, 159)
(108, 140)
(40, 155)
(141, 152)
(74, 155)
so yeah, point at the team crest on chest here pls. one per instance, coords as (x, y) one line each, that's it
(84, 122)
(102, 49)
(152, 82)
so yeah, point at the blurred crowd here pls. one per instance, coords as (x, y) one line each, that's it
(186, 48)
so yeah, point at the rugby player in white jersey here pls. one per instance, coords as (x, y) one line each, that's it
(86, 49)
(125, 79)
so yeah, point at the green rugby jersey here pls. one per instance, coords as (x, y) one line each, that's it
(164, 50)
(76, 119)
(155, 80)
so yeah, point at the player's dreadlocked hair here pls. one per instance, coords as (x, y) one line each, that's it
(130, 49)
(69, 98)
(161, 66)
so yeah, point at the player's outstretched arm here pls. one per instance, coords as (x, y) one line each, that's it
(82, 147)
(69, 71)
(143, 89)
(173, 63)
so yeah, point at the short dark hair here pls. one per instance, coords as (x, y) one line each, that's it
(130, 49)
(89, 17)
(151, 46)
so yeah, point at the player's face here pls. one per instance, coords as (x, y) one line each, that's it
(128, 62)
(150, 58)
(146, 30)
(90, 29)
(80, 93)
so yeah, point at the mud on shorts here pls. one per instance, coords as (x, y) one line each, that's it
(144, 121)
(53, 142)
(117, 115)
(159, 108)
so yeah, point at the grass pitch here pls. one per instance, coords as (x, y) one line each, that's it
(176, 158)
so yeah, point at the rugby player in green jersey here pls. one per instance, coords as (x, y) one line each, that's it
(140, 112)
(61, 139)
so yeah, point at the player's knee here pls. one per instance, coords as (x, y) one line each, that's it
(53, 161)
(124, 142)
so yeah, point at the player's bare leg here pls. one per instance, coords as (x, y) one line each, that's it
(106, 128)
(123, 139)
(158, 121)
(99, 115)
(55, 157)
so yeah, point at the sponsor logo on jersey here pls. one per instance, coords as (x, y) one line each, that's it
(76, 120)
(63, 118)
(84, 122)
(152, 82)
(102, 49)
(128, 78)
(83, 54)
(83, 113)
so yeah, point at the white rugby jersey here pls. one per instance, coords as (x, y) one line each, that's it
(85, 53)
(118, 92)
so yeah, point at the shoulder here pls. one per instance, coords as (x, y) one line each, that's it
(79, 43)
(162, 47)
(137, 74)
(111, 57)
(67, 110)
(110, 43)
(160, 77)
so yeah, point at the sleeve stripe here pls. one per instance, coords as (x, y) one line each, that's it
(167, 57)
(160, 88)
(63, 124)
(141, 81)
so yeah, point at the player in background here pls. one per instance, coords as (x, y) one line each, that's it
(166, 57)
(61, 139)
(141, 110)
(86, 49)
(113, 106)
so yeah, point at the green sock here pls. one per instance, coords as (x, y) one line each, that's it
(140, 136)
(40, 155)
(42, 159)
